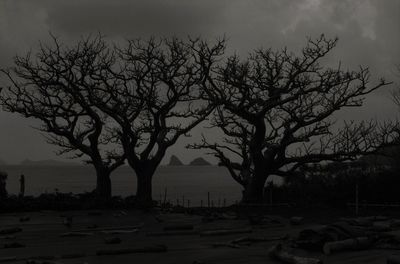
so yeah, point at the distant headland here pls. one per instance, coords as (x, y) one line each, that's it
(175, 161)
(47, 162)
(199, 162)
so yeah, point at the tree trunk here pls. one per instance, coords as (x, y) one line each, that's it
(144, 190)
(103, 187)
(254, 190)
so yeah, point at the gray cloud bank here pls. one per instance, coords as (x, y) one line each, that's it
(368, 32)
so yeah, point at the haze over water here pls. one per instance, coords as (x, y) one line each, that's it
(192, 182)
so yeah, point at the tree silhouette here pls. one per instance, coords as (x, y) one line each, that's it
(53, 86)
(154, 98)
(276, 111)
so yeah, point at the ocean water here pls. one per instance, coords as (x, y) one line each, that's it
(191, 182)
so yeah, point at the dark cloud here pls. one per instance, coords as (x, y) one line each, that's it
(135, 18)
(368, 32)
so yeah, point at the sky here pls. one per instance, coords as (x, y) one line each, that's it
(368, 32)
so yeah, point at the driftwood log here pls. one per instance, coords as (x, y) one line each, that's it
(9, 231)
(7, 237)
(178, 227)
(222, 232)
(24, 219)
(8, 259)
(347, 244)
(112, 240)
(149, 249)
(222, 244)
(236, 243)
(41, 262)
(257, 239)
(395, 259)
(116, 232)
(14, 245)
(277, 252)
(174, 233)
(296, 220)
(100, 229)
(73, 256)
(270, 225)
(76, 234)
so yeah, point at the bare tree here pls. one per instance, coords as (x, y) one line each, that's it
(52, 86)
(276, 111)
(154, 99)
(396, 92)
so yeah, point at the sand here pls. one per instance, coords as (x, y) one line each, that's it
(42, 237)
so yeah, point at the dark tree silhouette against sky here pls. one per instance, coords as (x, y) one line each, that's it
(154, 99)
(53, 87)
(276, 112)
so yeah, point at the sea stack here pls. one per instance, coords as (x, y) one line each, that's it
(199, 162)
(174, 161)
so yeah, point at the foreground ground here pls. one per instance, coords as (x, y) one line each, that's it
(42, 238)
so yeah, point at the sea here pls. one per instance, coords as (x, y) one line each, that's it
(191, 184)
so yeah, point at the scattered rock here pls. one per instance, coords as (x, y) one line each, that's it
(73, 256)
(279, 253)
(178, 227)
(173, 233)
(222, 232)
(9, 231)
(24, 219)
(394, 259)
(7, 237)
(92, 226)
(8, 259)
(76, 234)
(348, 244)
(296, 220)
(114, 232)
(95, 213)
(149, 249)
(112, 240)
(14, 245)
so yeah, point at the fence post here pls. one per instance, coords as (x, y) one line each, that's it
(357, 199)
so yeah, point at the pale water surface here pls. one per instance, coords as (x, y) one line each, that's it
(192, 182)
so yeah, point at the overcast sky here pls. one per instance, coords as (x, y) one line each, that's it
(368, 32)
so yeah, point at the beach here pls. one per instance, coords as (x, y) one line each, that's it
(45, 238)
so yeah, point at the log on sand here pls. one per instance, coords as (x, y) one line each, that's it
(296, 220)
(257, 239)
(395, 259)
(178, 227)
(277, 252)
(222, 244)
(73, 256)
(236, 243)
(347, 244)
(149, 249)
(7, 237)
(8, 259)
(14, 245)
(174, 233)
(41, 262)
(116, 232)
(9, 231)
(112, 228)
(222, 232)
(76, 234)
